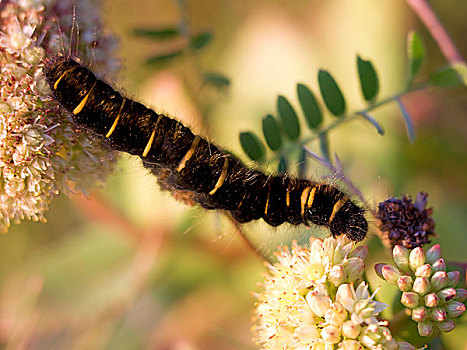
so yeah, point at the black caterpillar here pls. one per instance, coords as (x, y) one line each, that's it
(188, 163)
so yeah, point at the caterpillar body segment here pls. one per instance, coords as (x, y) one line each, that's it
(190, 164)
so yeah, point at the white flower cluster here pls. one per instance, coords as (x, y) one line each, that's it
(430, 294)
(310, 301)
(41, 153)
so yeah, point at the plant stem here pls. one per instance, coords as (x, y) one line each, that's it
(426, 14)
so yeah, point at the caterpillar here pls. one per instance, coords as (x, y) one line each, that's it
(190, 164)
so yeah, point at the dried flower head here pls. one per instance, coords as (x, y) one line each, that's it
(428, 291)
(405, 222)
(41, 152)
(305, 306)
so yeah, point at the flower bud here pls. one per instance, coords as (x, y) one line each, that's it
(400, 255)
(350, 330)
(336, 314)
(319, 304)
(453, 278)
(438, 265)
(390, 273)
(446, 325)
(461, 294)
(447, 294)
(433, 254)
(455, 309)
(307, 333)
(431, 300)
(349, 344)
(405, 283)
(424, 271)
(337, 275)
(331, 334)
(421, 285)
(379, 270)
(439, 280)
(419, 314)
(438, 314)
(361, 251)
(410, 299)
(354, 269)
(416, 258)
(425, 329)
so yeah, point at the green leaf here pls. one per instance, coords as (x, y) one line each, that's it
(288, 117)
(271, 132)
(310, 107)
(415, 52)
(252, 146)
(216, 79)
(368, 79)
(408, 121)
(201, 40)
(446, 77)
(331, 93)
(163, 58)
(157, 34)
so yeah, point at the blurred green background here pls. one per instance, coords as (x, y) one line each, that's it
(131, 268)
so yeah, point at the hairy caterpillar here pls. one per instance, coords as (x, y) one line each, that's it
(190, 164)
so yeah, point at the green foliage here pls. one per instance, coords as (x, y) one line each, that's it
(310, 107)
(446, 77)
(157, 34)
(187, 49)
(332, 95)
(368, 79)
(163, 59)
(201, 40)
(216, 79)
(415, 52)
(271, 132)
(288, 117)
(252, 146)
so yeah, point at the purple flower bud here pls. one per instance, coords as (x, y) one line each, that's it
(453, 278)
(419, 314)
(424, 271)
(405, 283)
(431, 300)
(410, 299)
(425, 328)
(421, 285)
(447, 294)
(446, 325)
(401, 257)
(439, 280)
(416, 258)
(461, 294)
(433, 254)
(438, 314)
(390, 273)
(379, 270)
(455, 308)
(439, 265)
(361, 251)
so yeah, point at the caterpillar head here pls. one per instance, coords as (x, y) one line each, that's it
(350, 220)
